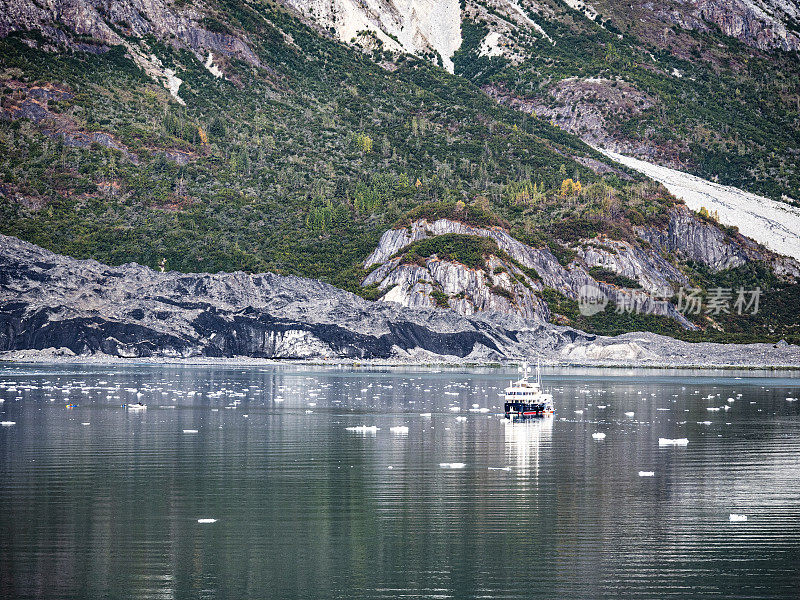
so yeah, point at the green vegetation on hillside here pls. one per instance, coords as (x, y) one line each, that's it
(298, 167)
(719, 108)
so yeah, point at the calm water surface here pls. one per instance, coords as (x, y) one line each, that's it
(100, 502)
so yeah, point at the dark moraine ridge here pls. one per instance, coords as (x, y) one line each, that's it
(48, 300)
(53, 301)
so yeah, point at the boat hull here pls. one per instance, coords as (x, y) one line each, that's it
(515, 410)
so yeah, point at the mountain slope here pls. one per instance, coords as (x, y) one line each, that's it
(234, 135)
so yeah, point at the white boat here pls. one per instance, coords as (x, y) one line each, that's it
(525, 398)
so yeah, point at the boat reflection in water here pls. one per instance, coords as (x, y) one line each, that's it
(524, 442)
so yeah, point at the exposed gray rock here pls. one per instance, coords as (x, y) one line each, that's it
(757, 23)
(654, 274)
(47, 300)
(58, 20)
(469, 290)
(590, 108)
(646, 267)
(696, 240)
(58, 306)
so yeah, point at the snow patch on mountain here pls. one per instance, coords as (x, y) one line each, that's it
(776, 225)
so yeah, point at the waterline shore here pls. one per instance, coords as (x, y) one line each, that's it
(51, 356)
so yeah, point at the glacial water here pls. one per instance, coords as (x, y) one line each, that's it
(100, 502)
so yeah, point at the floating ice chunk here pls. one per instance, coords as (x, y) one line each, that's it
(601, 406)
(726, 407)
(455, 408)
(791, 399)
(499, 468)
(673, 442)
(578, 412)
(647, 474)
(85, 423)
(713, 408)
(734, 518)
(426, 415)
(7, 423)
(704, 422)
(205, 521)
(309, 411)
(461, 418)
(363, 428)
(390, 467)
(599, 436)
(190, 431)
(452, 465)
(476, 406)
(629, 414)
(399, 429)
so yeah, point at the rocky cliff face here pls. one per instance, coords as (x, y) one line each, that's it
(758, 23)
(469, 291)
(47, 300)
(96, 25)
(78, 307)
(502, 287)
(421, 26)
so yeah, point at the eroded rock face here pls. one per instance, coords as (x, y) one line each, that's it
(52, 306)
(653, 273)
(421, 26)
(57, 20)
(47, 301)
(757, 23)
(590, 108)
(497, 288)
(696, 240)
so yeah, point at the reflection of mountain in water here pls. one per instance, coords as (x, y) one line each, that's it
(523, 443)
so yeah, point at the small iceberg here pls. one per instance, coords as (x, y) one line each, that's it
(599, 436)
(734, 518)
(712, 408)
(363, 428)
(190, 431)
(455, 465)
(629, 414)
(647, 474)
(7, 423)
(426, 415)
(461, 418)
(399, 429)
(205, 521)
(671, 442)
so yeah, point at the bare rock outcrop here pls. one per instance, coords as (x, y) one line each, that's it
(95, 25)
(57, 308)
(654, 274)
